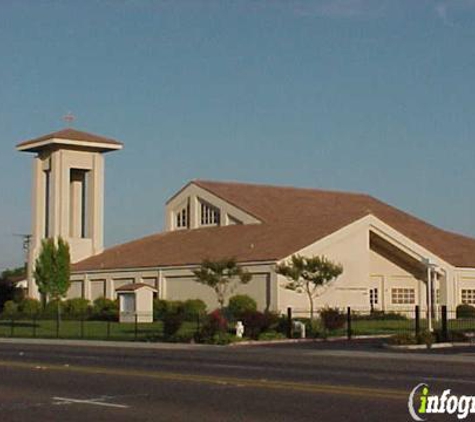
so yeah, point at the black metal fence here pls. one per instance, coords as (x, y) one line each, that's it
(349, 323)
(107, 328)
(445, 324)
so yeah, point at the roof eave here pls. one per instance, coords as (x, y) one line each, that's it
(40, 145)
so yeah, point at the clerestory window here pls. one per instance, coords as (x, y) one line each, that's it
(209, 215)
(183, 218)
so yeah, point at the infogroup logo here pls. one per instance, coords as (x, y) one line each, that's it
(421, 404)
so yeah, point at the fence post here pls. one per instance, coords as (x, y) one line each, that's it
(417, 320)
(35, 319)
(289, 322)
(348, 323)
(12, 327)
(108, 329)
(82, 326)
(445, 333)
(136, 327)
(57, 325)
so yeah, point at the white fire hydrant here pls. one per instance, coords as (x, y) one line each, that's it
(299, 327)
(239, 329)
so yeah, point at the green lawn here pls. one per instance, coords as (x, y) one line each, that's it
(102, 330)
(98, 330)
(367, 327)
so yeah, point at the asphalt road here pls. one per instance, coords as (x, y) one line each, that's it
(288, 383)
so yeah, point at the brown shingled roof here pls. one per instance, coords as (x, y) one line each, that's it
(73, 134)
(292, 219)
(132, 287)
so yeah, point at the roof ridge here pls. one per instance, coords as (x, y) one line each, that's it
(284, 187)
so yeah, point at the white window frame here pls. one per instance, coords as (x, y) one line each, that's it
(209, 215)
(467, 296)
(182, 217)
(403, 296)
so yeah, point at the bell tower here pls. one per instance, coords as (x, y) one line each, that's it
(68, 192)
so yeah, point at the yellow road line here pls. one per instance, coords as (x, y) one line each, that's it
(218, 380)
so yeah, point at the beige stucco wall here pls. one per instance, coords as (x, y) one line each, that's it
(59, 162)
(386, 275)
(178, 284)
(349, 248)
(464, 279)
(183, 288)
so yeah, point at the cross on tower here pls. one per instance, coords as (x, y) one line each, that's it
(69, 118)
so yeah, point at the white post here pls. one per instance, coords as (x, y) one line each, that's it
(429, 298)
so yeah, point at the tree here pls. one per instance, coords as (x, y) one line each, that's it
(223, 276)
(52, 270)
(8, 289)
(309, 274)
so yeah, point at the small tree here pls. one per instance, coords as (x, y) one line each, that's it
(52, 270)
(308, 275)
(223, 276)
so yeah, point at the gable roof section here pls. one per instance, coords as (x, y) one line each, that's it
(292, 219)
(276, 204)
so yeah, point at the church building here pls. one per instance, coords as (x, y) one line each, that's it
(391, 260)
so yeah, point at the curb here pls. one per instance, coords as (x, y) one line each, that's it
(305, 340)
(424, 346)
(108, 344)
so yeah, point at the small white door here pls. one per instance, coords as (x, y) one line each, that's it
(128, 302)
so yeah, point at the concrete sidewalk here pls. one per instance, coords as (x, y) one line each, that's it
(109, 344)
(467, 356)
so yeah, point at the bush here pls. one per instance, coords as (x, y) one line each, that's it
(452, 336)
(76, 307)
(105, 309)
(379, 316)
(193, 308)
(426, 337)
(215, 323)
(162, 307)
(271, 335)
(10, 309)
(186, 337)
(172, 322)
(465, 311)
(240, 305)
(282, 325)
(220, 339)
(332, 319)
(402, 339)
(51, 308)
(312, 328)
(30, 307)
(257, 322)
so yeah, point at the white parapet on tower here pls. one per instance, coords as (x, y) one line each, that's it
(68, 192)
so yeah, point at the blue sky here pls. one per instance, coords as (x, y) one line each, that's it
(362, 95)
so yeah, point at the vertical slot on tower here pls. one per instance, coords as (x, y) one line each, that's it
(47, 176)
(78, 208)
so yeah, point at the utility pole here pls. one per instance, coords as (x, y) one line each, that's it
(26, 251)
(26, 246)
